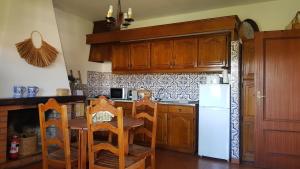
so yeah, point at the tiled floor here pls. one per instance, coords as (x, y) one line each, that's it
(173, 160)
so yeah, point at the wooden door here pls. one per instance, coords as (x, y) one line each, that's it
(185, 52)
(277, 78)
(120, 57)
(248, 101)
(213, 51)
(100, 53)
(248, 59)
(140, 56)
(161, 54)
(162, 121)
(248, 109)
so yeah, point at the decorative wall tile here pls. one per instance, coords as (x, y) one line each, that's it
(235, 100)
(175, 86)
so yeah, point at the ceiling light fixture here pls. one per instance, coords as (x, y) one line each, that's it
(123, 19)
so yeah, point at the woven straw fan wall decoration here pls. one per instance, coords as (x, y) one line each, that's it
(40, 57)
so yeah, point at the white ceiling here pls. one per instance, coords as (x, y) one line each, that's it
(143, 9)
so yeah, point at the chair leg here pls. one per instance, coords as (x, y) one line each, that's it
(45, 164)
(152, 160)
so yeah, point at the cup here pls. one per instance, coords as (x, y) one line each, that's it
(32, 91)
(19, 91)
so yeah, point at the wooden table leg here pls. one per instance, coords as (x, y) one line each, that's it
(82, 141)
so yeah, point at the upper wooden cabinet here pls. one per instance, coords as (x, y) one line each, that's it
(161, 54)
(185, 53)
(134, 56)
(213, 51)
(120, 57)
(100, 53)
(140, 56)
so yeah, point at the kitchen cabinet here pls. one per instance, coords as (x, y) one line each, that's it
(140, 56)
(176, 127)
(127, 108)
(213, 50)
(181, 128)
(161, 54)
(131, 56)
(100, 53)
(162, 128)
(185, 53)
(120, 57)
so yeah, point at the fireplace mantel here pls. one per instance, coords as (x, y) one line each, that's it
(8, 104)
(37, 100)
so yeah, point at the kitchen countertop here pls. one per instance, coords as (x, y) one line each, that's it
(169, 102)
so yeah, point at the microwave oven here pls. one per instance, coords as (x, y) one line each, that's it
(118, 93)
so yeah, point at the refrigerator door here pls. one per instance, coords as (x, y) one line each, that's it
(214, 133)
(214, 95)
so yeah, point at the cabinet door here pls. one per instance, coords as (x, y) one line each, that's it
(248, 108)
(120, 57)
(181, 129)
(127, 108)
(248, 59)
(213, 51)
(185, 52)
(162, 121)
(140, 55)
(161, 54)
(100, 53)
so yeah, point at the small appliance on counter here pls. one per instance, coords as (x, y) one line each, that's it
(132, 94)
(119, 93)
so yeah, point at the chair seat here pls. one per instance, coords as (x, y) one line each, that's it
(60, 156)
(139, 151)
(109, 160)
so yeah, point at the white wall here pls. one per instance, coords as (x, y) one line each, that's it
(271, 15)
(17, 19)
(73, 31)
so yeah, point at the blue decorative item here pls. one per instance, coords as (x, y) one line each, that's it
(19, 91)
(32, 91)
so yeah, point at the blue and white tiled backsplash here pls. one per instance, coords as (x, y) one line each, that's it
(175, 86)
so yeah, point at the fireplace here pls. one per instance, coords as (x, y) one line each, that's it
(24, 123)
(20, 116)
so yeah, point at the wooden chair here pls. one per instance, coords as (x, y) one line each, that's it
(104, 155)
(63, 157)
(144, 151)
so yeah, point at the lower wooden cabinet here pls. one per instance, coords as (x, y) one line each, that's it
(176, 127)
(127, 108)
(162, 128)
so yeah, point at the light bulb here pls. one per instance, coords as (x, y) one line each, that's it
(129, 13)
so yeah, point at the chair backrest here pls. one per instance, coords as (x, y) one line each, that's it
(97, 101)
(150, 116)
(104, 105)
(61, 139)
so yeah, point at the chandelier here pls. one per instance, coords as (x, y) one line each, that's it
(123, 19)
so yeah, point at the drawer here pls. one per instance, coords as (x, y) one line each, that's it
(181, 109)
(162, 108)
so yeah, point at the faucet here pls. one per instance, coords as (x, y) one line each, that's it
(159, 92)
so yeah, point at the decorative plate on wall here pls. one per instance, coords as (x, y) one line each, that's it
(247, 29)
(40, 57)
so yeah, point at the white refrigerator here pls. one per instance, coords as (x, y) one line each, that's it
(214, 121)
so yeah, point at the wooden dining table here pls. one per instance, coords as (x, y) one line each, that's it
(80, 124)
